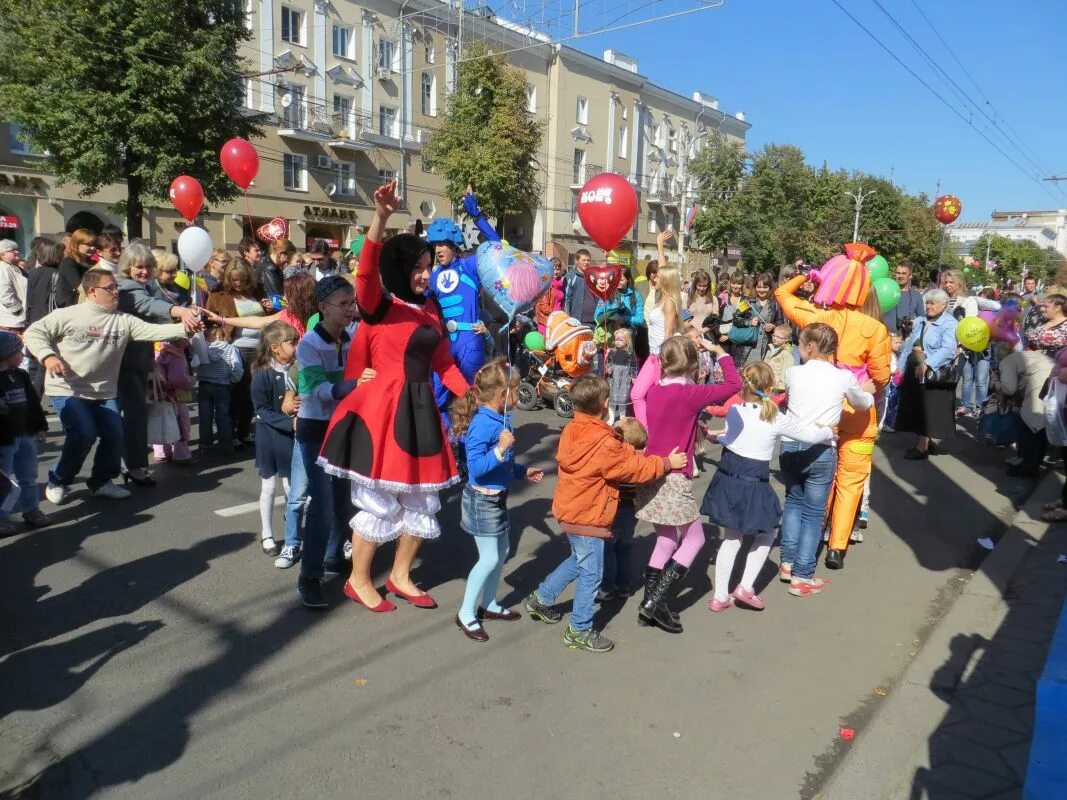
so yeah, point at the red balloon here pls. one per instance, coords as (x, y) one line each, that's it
(240, 161)
(612, 273)
(947, 209)
(607, 207)
(187, 196)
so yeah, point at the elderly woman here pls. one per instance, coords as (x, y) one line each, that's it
(976, 366)
(927, 397)
(167, 276)
(141, 296)
(240, 296)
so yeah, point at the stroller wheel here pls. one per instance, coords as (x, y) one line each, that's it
(526, 398)
(563, 405)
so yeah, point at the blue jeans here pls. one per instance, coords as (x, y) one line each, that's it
(586, 563)
(85, 421)
(808, 473)
(975, 381)
(297, 502)
(20, 460)
(322, 526)
(213, 409)
(618, 570)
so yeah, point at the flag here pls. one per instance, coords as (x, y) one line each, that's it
(743, 306)
(690, 216)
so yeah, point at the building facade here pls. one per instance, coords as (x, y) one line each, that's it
(351, 93)
(1043, 228)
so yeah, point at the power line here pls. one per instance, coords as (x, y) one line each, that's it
(934, 92)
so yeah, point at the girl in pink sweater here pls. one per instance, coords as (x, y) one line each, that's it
(674, 406)
(175, 385)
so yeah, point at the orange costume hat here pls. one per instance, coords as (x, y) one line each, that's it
(844, 280)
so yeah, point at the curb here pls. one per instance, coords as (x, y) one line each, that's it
(881, 763)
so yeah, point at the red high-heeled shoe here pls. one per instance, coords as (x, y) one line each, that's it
(383, 606)
(418, 600)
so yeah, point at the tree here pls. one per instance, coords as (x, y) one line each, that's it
(139, 91)
(1014, 258)
(488, 138)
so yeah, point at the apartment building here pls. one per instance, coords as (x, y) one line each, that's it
(351, 93)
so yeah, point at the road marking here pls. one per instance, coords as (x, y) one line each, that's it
(246, 508)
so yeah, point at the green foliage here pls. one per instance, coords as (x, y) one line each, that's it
(778, 208)
(1017, 257)
(134, 90)
(488, 138)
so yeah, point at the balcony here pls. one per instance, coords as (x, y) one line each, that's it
(584, 174)
(354, 140)
(296, 124)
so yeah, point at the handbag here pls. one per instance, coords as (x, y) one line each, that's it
(947, 376)
(1053, 396)
(162, 419)
(743, 334)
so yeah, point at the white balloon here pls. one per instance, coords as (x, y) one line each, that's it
(194, 247)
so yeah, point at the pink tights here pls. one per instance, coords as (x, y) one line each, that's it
(680, 542)
(645, 380)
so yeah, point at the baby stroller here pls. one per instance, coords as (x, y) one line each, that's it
(568, 354)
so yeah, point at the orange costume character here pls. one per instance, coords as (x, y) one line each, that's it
(863, 348)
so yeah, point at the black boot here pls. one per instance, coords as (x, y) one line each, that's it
(651, 576)
(835, 559)
(654, 610)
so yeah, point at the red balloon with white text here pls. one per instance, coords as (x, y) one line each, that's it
(607, 207)
(187, 196)
(240, 161)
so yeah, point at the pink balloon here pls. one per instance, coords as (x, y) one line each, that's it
(240, 161)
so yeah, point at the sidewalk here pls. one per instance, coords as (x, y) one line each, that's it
(959, 722)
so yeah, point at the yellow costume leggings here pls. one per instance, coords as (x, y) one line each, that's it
(854, 456)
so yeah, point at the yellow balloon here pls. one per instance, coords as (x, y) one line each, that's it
(973, 334)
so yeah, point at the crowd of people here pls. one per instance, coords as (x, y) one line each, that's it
(356, 378)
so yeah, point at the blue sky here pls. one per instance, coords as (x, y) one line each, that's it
(805, 74)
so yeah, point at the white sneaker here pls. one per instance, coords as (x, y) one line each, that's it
(110, 491)
(57, 493)
(288, 557)
(348, 550)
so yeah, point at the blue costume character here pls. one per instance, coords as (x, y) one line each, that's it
(454, 283)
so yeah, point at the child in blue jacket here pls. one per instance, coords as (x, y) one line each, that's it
(491, 466)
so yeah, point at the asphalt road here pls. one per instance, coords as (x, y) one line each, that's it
(149, 650)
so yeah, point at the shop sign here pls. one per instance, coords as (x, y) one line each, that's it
(11, 181)
(9, 222)
(331, 243)
(329, 214)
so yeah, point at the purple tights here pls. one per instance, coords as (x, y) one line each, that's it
(680, 542)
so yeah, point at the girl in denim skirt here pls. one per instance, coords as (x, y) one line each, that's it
(490, 442)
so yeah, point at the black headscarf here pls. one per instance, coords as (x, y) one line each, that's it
(400, 256)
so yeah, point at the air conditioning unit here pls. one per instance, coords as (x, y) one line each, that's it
(323, 162)
(384, 73)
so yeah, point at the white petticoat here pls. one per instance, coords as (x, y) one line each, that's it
(387, 515)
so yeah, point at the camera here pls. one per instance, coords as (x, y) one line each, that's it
(804, 269)
(905, 326)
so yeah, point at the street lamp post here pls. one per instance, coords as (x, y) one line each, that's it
(859, 197)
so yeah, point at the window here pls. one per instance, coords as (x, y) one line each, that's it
(574, 208)
(292, 26)
(343, 121)
(431, 53)
(531, 99)
(387, 122)
(346, 184)
(652, 222)
(386, 175)
(579, 167)
(426, 165)
(249, 88)
(387, 54)
(295, 170)
(249, 14)
(429, 95)
(342, 41)
(624, 141)
(294, 111)
(582, 111)
(672, 138)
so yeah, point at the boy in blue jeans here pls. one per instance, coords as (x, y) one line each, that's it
(22, 428)
(593, 460)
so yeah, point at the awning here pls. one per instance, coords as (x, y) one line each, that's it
(9, 222)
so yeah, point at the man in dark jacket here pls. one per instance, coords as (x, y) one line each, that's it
(578, 301)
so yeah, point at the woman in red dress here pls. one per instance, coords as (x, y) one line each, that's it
(386, 436)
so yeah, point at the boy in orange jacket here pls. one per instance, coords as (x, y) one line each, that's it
(593, 461)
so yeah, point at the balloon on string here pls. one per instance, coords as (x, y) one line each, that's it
(607, 209)
(512, 279)
(194, 247)
(277, 228)
(240, 161)
(888, 293)
(947, 209)
(609, 274)
(878, 267)
(187, 195)
(534, 340)
(973, 334)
